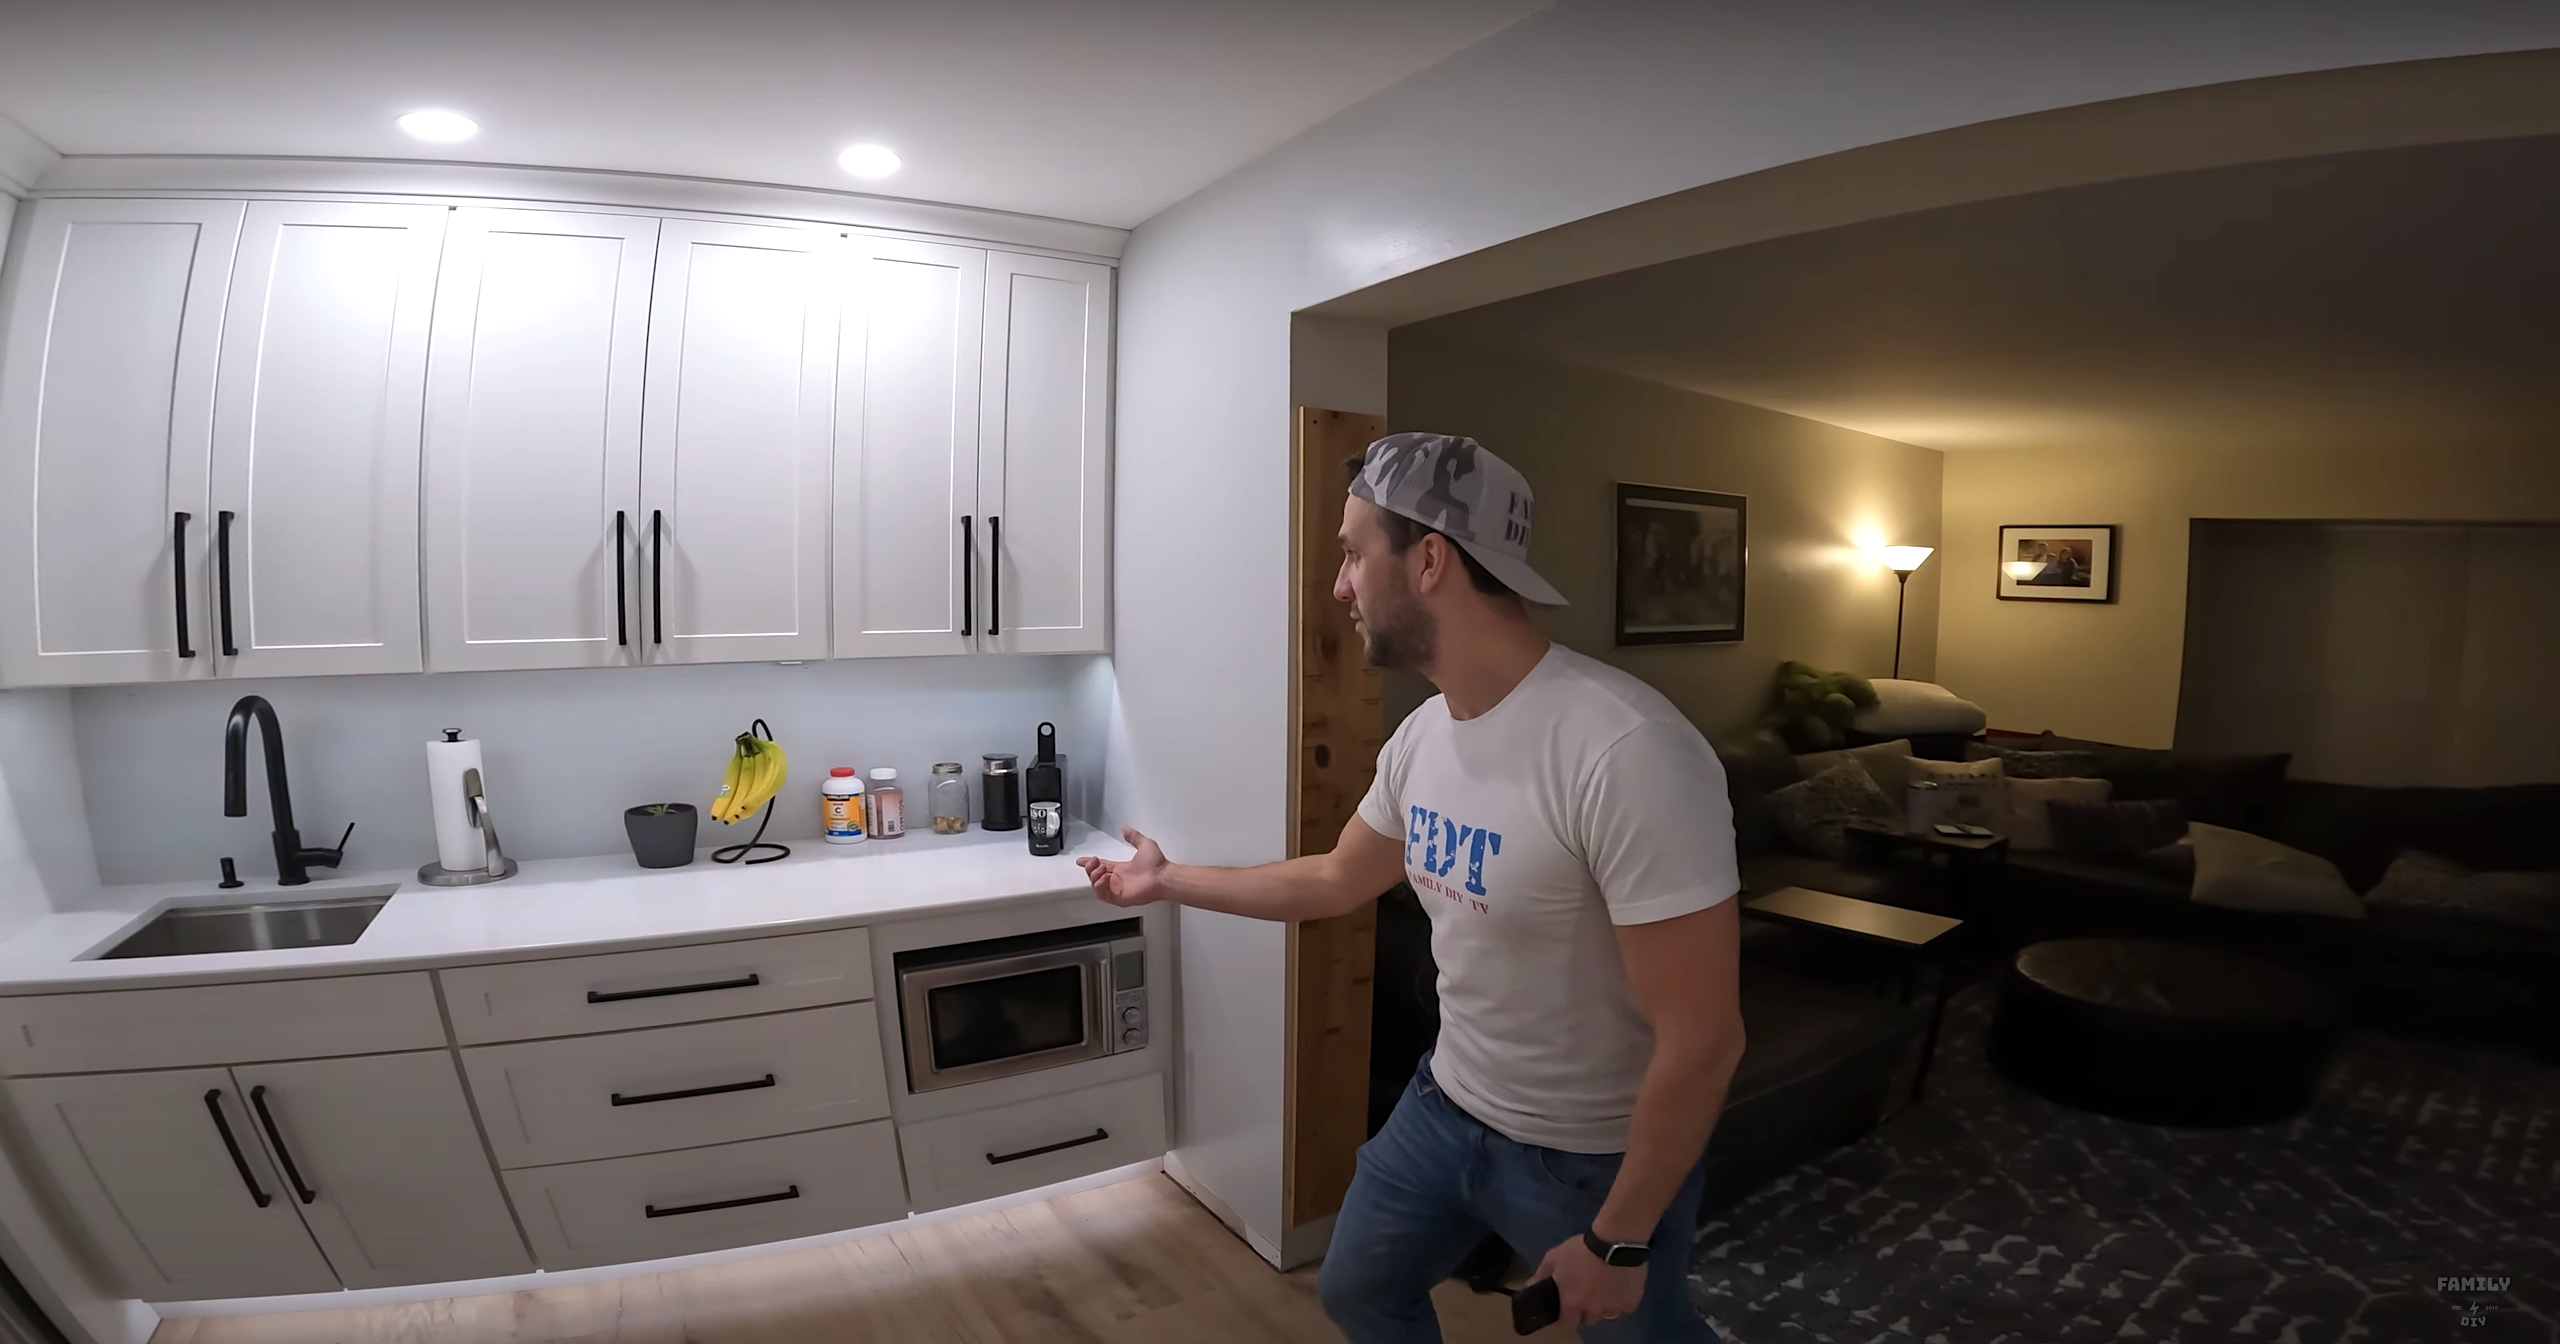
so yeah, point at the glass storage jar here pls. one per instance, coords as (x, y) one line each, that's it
(950, 792)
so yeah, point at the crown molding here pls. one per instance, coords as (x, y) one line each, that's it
(142, 175)
(24, 159)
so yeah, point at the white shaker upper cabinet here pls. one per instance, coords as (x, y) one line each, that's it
(907, 450)
(1042, 445)
(532, 471)
(735, 442)
(315, 439)
(106, 410)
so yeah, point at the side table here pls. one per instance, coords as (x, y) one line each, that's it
(1916, 934)
(1970, 869)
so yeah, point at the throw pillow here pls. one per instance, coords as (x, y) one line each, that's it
(2020, 763)
(2244, 792)
(1887, 763)
(2114, 830)
(2421, 881)
(2175, 861)
(1974, 793)
(2241, 871)
(2030, 824)
(1814, 814)
(1909, 708)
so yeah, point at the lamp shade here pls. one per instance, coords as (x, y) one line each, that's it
(1904, 559)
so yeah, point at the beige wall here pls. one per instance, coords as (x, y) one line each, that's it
(1817, 492)
(2111, 671)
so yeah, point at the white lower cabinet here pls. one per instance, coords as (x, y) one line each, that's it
(708, 1199)
(165, 1173)
(962, 1158)
(380, 1153)
(587, 1097)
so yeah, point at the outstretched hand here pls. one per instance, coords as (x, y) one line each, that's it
(1138, 880)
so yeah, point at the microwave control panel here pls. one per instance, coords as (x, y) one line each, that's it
(1128, 1024)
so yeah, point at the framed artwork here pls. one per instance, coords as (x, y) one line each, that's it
(2055, 563)
(1680, 565)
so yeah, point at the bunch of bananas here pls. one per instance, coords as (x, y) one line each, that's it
(755, 775)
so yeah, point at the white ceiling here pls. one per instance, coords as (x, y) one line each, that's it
(1102, 111)
(2398, 298)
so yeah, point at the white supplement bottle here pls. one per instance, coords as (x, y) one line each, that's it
(888, 805)
(840, 807)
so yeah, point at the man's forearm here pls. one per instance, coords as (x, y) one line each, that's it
(1676, 1108)
(1311, 887)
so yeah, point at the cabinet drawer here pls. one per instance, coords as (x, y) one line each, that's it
(218, 1024)
(708, 1199)
(983, 1154)
(583, 1097)
(621, 990)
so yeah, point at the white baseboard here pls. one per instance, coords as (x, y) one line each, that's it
(517, 1283)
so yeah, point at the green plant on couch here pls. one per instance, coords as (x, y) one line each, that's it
(1812, 708)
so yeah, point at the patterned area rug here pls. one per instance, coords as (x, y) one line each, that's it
(1989, 1215)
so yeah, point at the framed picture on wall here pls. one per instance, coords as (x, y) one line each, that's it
(2055, 563)
(1680, 565)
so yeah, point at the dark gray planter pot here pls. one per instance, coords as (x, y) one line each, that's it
(662, 839)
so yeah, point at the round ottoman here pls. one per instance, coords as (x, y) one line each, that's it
(2165, 1033)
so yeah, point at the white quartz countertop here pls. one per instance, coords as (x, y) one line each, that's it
(564, 907)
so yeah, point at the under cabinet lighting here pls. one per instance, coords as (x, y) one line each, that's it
(870, 161)
(439, 125)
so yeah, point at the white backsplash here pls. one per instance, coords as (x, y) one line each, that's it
(565, 751)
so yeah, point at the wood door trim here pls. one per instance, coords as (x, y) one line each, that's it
(1337, 723)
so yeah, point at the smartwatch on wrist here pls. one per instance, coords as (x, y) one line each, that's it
(1617, 1254)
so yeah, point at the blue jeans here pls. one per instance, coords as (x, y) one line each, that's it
(1435, 1180)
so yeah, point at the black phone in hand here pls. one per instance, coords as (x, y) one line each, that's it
(1536, 1307)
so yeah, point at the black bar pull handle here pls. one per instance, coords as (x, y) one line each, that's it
(995, 575)
(178, 548)
(222, 577)
(1097, 1136)
(231, 1144)
(968, 574)
(275, 1139)
(715, 1090)
(621, 581)
(658, 575)
(776, 1197)
(747, 981)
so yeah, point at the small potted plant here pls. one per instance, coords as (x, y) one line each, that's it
(661, 833)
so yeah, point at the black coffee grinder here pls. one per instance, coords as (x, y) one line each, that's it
(1044, 789)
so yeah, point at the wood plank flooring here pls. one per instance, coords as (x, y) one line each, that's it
(1135, 1263)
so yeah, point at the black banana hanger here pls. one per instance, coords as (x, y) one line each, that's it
(747, 853)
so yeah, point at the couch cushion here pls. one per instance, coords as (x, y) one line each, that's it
(2020, 763)
(1812, 813)
(2243, 792)
(2250, 872)
(1888, 763)
(2513, 828)
(1756, 764)
(2030, 826)
(2114, 830)
(2419, 881)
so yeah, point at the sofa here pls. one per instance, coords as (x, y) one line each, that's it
(2405, 968)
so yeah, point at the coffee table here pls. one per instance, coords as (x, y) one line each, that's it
(1916, 934)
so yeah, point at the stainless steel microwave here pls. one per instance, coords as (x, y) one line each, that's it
(974, 1011)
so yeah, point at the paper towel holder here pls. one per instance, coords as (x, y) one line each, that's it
(475, 801)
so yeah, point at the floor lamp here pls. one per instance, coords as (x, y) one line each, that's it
(1902, 560)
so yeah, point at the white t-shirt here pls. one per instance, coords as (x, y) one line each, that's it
(1582, 801)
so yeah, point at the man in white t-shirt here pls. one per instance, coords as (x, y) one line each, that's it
(1569, 834)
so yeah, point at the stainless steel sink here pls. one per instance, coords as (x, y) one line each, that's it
(190, 930)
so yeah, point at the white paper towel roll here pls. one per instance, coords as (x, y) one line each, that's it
(458, 843)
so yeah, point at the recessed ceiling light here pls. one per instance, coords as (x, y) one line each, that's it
(870, 161)
(439, 125)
